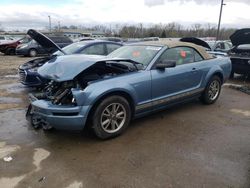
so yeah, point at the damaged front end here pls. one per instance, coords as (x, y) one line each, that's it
(28, 72)
(61, 104)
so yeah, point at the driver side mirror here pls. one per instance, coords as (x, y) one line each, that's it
(165, 64)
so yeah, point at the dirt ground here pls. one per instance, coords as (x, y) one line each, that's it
(190, 145)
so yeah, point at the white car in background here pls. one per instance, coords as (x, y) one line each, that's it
(5, 39)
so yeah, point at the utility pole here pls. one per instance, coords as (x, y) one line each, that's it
(59, 26)
(218, 30)
(49, 24)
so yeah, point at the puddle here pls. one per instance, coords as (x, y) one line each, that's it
(7, 149)
(14, 88)
(11, 106)
(10, 100)
(75, 185)
(11, 182)
(39, 155)
(242, 112)
(11, 76)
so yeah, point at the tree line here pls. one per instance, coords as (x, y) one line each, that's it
(170, 30)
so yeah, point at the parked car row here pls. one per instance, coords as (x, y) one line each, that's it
(28, 71)
(5, 39)
(9, 48)
(238, 49)
(32, 48)
(240, 53)
(107, 92)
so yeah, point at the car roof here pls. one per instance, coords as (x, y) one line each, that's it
(98, 41)
(173, 44)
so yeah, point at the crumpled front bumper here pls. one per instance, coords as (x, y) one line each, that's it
(59, 116)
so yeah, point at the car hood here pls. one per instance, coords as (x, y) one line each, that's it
(196, 41)
(240, 37)
(44, 41)
(67, 67)
(6, 42)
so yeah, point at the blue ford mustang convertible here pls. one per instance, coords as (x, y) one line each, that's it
(133, 81)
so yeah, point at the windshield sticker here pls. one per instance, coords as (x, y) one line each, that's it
(153, 48)
(183, 54)
(136, 54)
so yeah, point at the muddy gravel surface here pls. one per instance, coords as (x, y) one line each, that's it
(9, 64)
(190, 145)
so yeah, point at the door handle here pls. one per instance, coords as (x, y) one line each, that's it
(194, 69)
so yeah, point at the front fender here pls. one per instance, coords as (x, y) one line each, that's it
(94, 92)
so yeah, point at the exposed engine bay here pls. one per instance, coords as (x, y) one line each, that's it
(60, 93)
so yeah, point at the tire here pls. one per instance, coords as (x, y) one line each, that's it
(32, 52)
(232, 74)
(111, 117)
(10, 51)
(212, 91)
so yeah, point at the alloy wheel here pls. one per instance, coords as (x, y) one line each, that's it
(214, 90)
(113, 117)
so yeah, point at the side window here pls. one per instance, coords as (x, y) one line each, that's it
(182, 55)
(220, 46)
(227, 46)
(112, 47)
(2, 38)
(197, 56)
(97, 49)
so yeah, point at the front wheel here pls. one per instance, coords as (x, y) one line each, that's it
(33, 53)
(10, 51)
(111, 117)
(212, 90)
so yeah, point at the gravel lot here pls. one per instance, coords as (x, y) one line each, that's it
(190, 145)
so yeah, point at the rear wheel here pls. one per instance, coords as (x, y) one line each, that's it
(33, 53)
(111, 117)
(212, 90)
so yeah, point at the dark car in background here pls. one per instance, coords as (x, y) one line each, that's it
(220, 46)
(217, 48)
(240, 53)
(28, 71)
(33, 49)
(9, 48)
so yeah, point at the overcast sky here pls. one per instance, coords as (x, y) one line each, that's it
(21, 14)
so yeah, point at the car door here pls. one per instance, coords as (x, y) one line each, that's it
(179, 80)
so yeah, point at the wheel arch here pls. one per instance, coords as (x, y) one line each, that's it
(124, 94)
(212, 73)
(32, 48)
(220, 75)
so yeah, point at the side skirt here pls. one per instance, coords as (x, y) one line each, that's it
(166, 105)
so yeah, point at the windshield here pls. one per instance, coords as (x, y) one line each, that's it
(71, 49)
(25, 40)
(211, 44)
(141, 54)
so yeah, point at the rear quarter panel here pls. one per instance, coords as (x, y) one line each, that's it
(218, 65)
